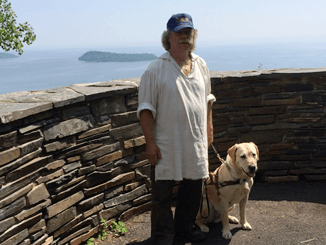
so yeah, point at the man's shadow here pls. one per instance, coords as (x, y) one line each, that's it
(213, 237)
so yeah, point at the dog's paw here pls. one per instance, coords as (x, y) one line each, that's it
(204, 228)
(233, 220)
(246, 226)
(226, 234)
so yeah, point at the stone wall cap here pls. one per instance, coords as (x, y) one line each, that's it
(265, 72)
(223, 74)
(298, 70)
(18, 105)
(133, 82)
(98, 90)
(10, 112)
(59, 97)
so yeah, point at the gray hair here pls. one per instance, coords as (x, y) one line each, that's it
(167, 34)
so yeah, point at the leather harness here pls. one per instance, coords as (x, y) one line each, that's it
(220, 184)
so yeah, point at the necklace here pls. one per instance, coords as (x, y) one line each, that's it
(185, 67)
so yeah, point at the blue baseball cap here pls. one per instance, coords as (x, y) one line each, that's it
(180, 21)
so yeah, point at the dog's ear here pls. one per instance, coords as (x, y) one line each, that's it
(257, 151)
(212, 177)
(232, 151)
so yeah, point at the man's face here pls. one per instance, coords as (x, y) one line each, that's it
(183, 39)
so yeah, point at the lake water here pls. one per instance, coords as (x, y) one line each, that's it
(43, 69)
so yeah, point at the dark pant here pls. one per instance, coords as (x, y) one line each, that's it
(188, 201)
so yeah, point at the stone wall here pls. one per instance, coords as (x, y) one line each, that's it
(282, 111)
(70, 156)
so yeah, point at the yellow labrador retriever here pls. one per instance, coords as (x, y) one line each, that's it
(229, 184)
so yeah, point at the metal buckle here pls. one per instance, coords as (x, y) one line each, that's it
(220, 183)
(242, 181)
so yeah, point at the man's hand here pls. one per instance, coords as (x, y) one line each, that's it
(153, 153)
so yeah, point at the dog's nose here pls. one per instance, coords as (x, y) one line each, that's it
(252, 168)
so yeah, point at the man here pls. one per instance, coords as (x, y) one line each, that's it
(176, 118)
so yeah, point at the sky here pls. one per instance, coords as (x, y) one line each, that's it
(107, 23)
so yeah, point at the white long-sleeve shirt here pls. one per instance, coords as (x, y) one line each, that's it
(179, 107)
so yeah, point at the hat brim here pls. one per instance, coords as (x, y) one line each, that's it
(178, 28)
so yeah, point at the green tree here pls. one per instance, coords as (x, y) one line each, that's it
(13, 35)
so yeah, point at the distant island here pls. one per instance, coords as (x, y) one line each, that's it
(97, 56)
(7, 56)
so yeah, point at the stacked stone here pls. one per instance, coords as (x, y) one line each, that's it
(68, 158)
(71, 156)
(282, 111)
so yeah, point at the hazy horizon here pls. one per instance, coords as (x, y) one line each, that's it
(147, 49)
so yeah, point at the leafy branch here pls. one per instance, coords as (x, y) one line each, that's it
(13, 35)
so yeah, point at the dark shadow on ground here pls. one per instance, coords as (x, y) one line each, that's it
(289, 191)
(213, 237)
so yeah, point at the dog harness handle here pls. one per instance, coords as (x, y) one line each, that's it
(202, 200)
